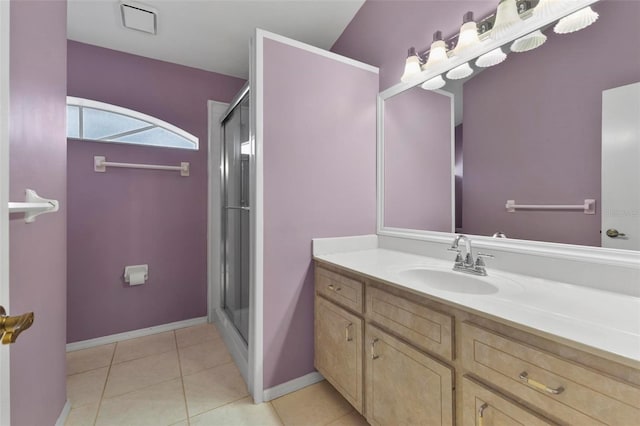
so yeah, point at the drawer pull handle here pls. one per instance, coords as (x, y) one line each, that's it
(524, 376)
(481, 413)
(347, 332)
(373, 348)
(334, 288)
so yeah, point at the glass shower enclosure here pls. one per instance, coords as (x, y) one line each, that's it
(236, 150)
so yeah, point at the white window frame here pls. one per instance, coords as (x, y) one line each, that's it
(153, 122)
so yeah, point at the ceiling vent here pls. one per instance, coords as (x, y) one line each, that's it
(139, 17)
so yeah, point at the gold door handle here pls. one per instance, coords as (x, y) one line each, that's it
(11, 327)
(347, 332)
(524, 376)
(613, 233)
(374, 356)
(481, 414)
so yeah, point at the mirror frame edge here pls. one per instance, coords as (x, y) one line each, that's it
(590, 254)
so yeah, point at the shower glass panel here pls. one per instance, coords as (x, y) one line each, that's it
(235, 216)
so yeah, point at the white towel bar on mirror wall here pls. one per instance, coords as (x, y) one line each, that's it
(33, 206)
(589, 206)
(100, 165)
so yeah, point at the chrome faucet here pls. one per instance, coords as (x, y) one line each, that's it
(466, 262)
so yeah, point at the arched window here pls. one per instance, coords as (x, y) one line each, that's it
(98, 121)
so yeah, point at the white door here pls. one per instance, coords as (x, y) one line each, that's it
(4, 199)
(621, 167)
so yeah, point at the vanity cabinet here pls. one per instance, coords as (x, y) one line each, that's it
(565, 390)
(405, 386)
(404, 358)
(338, 340)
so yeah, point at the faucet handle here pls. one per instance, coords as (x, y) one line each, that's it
(458, 255)
(480, 256)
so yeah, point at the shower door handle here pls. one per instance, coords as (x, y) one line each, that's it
(237, 208)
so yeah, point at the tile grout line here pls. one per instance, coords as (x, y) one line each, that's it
(341, 417)
(184, 392)
(275, 410)
(222, 406)
(104, 387)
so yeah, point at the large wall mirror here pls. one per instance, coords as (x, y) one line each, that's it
(530, 130)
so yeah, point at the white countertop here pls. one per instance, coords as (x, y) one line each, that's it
(600, 319)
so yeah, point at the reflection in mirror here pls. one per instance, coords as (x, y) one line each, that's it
(532, 132)
(417, 161)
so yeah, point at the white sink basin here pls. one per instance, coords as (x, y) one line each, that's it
(452, 281)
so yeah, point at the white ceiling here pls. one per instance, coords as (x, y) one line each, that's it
(211, 35)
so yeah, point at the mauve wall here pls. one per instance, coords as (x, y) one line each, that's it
(532, 129)
(417, 161)
(383, 30)
(127, 217)
(38, 160)
(319, 181)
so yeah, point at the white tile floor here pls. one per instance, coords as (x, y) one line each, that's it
(185, 377)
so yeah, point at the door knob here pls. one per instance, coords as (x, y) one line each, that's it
(11, 327)
(613, 233)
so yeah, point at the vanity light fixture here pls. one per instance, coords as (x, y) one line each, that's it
(529, 42)
(468, 34)
(509, 15)
(495, 57)
(507, 18)
(576, 21)
(411, 66)
(437, 53)
(468, 38)
(460, 72)
(549, 7)
(434, 84)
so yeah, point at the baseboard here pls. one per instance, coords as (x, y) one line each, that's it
(292, 386)
(84, 344)
(62, 418)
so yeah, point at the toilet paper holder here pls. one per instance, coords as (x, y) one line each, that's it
(136, 274)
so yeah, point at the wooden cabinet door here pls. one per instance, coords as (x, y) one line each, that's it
(405, 386)
(484, 407)
(338, 351)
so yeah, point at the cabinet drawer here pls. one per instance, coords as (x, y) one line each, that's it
(339, 288)
(425, 328)
(403, 385)
(484, 407)
(564, 390)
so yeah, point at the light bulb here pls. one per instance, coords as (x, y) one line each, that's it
(492, 58)
(506, 19)
(576, 21)
(460, 72)
(411, 66)
(434, 84)
(529, 42)
(468, 36)
(437, 53)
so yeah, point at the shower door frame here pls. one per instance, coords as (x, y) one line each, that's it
(240, 351)
(225, 255)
